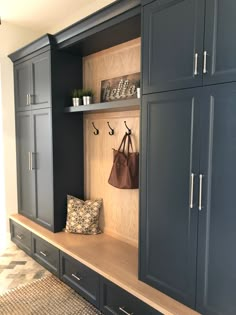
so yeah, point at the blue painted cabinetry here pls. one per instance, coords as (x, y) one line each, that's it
(188, 43)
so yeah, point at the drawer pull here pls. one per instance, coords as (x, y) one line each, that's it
(19, 236)
(43, 254)
(122, 309)
(77, 278)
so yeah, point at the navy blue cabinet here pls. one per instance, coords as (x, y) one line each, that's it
(34, 165)
(168, 225)
(188, 43)
(216, 262)
(187, 198)
(32, 82)
(172, 35)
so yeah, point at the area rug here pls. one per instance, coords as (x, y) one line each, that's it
(46, 296)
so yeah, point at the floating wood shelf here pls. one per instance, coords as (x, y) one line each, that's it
(120, 105)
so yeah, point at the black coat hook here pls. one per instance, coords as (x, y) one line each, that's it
(96, 132)
(112, 130)
(129, 130)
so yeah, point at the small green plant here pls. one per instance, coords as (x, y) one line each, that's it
(74, 93)
(77, 93)
(88, 92)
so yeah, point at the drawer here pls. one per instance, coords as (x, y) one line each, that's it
(115, 300)
(45, 254)
(81, 278)
(20, 236)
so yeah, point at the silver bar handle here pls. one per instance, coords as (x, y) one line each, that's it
(18, 236)
(77, 278)
(124, 311)
(30, 161)
(29, 99)
(43, 254)
(33, 164)
(200, 192)
(205, 62)
(195, 64)
(191, 190)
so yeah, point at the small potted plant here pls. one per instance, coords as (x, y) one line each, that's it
(88, 96)
(77, 95)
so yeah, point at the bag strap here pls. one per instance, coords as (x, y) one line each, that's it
(122, 145)
(130, 145)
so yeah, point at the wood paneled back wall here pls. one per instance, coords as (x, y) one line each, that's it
(119, 216)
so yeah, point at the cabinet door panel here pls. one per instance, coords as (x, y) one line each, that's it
(219, 41)
(217, 232)
(41, 86)
(22, 79)
(42, 163)
(25, 175)
(168, 226)
(172, 35)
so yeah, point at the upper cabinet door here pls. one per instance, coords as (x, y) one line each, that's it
(172, 44)
(220, 44)
(22, 85)
(41, 82)
(217, 232)
(168, 222)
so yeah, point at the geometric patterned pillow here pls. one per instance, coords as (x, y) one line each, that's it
(82, 216)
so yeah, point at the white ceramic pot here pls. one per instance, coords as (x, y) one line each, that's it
(87, 100)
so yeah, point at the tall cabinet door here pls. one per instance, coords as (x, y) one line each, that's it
(172, 44)
(25, 173)
(219, 45)
(41, 82)
(216, 279)
(42, 164)
(168, 209)
(22, 77)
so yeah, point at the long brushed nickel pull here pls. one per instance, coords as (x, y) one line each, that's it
(195, 64)
(124, 311)
(33, 161)
(43, 254)
(200, 192)
(77, 278)
(205, 62)
(191, 190)
(30, 161)
(19, 236)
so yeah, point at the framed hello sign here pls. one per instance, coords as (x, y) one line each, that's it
(119, 88)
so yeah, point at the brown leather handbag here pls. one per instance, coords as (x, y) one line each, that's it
(125, 168)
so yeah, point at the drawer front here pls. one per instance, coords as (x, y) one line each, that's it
(46, 254)
(82, 279)
(117, 301)
(21, 236)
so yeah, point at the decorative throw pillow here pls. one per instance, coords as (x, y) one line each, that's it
(83, 216)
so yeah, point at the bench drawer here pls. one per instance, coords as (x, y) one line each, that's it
(81, 278)
(116, 301)
(46, 254)
(21, 236)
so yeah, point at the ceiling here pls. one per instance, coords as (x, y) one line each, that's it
(43, 15)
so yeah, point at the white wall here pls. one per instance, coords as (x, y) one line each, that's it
(13, 37)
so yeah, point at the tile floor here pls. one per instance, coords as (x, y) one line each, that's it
(17, 268)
